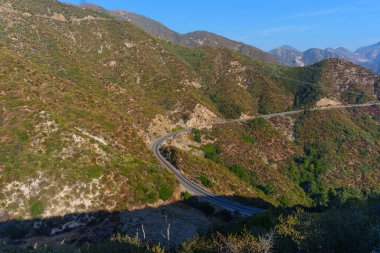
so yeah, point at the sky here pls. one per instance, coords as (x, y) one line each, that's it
(266, 24)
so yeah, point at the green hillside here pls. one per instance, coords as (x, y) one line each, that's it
(83, 95)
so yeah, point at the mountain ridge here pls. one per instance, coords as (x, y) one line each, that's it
(285, 54)
(191, 39)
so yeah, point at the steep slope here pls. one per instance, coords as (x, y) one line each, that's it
(83, 94)
(333, 80)
(350, 82)
(293, 160)
(65, 150)
(193, 39)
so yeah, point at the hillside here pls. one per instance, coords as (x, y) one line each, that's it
(114, 106)
(83, 94)
(287, 160)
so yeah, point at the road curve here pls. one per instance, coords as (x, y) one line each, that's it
(208, 196)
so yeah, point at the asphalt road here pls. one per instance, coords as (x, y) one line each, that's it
(197, 190)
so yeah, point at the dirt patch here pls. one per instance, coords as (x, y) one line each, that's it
(194, 84)
(325, 102)
(58, 17)
(202, 116)
(238, 71)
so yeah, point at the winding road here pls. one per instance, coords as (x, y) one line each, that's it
(208, 196)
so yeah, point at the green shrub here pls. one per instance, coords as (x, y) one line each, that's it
(185, 117)
(258, 123)
(186, 196)
(205, 181)
(268, 189)
(308, 171)
(340, 196)
(307, 95)
(228, 109)
(354, 96)
(92, 172)
(1, 31)
(249, 139)
(197, 136)
(164, 192)
(23, 136)
(177, 129)
(212, 151)
(145, 194)
(36, 208)
(240, 172)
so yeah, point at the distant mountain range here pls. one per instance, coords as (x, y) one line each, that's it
(368, 57)
(193, 39)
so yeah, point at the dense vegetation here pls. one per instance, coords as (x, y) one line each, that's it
(306, 170)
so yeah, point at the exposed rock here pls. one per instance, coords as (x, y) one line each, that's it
(324, 102)
(192, 83)
(202, 116)
(58, 17)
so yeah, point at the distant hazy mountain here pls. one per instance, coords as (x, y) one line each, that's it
(193, 39)
(372, 53)
(368, 57)
(288, 55)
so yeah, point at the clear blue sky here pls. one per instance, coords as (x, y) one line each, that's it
(266, 23)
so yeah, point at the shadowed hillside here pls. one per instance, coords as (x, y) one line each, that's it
(351, 225)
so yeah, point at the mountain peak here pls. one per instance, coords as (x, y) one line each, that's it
(93, 7)
(287, 47)
(342, 49)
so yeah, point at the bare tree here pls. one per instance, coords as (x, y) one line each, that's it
(225, 246)
(266, 243)
(143, 231)
(168, 228)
